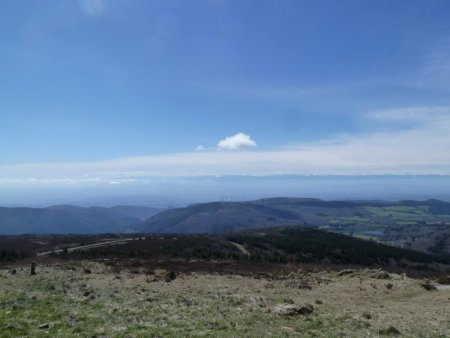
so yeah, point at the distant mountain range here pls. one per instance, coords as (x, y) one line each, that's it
(216, 217)
(418, 225)
(66, 219)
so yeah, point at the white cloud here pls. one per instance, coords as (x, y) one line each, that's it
(238, 141)
(200, 148)
(422, 148)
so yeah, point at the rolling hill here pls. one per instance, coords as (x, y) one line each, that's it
(419, 225)
(66, 219)
(218, 217)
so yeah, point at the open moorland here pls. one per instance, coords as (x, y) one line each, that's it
(132, 299)
(271, 282)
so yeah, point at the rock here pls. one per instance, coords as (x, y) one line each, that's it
(13, 271)
(428, 286)
(86, 270)
(366, 315)
(390, 331)
(318, 302)
(287, 329)
(304, 285)
(170, 276)
(33, 268)
(382, 275)
(44, 326)
(292, 310)
(346, 272)
(389, 286)
(444, 279)
(289, 301)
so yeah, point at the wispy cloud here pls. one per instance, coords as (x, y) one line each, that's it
(93, 7)
(417, 115)
(421, 148)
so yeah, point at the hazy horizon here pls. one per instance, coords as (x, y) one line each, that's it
(182, 191)
(135, 101)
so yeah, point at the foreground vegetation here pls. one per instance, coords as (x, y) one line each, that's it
(89, 299)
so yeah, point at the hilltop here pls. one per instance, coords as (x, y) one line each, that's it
(68, 219)
(419, 225)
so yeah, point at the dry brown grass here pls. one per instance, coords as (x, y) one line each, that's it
(125, 303)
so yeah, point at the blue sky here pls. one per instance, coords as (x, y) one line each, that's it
(119, 91)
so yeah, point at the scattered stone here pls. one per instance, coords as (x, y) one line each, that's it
(389, 286)
(289, 301)
(304, 285)
(428, 286)
(292, 310)
(13, 271)
(346, 272)
(444, 280)
(318, 301)
(73, 319)
(170, 276)
(382, 275)
(287, 329)
(390, 331)
(366, 315)
(44, 326)
(86, 270)
(51, 287)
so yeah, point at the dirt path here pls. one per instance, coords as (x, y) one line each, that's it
(241, 248)
(87, 247)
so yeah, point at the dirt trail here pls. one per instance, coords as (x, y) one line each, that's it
(241, 248)
(88, 246)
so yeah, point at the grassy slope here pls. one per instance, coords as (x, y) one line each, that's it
(135, 304)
